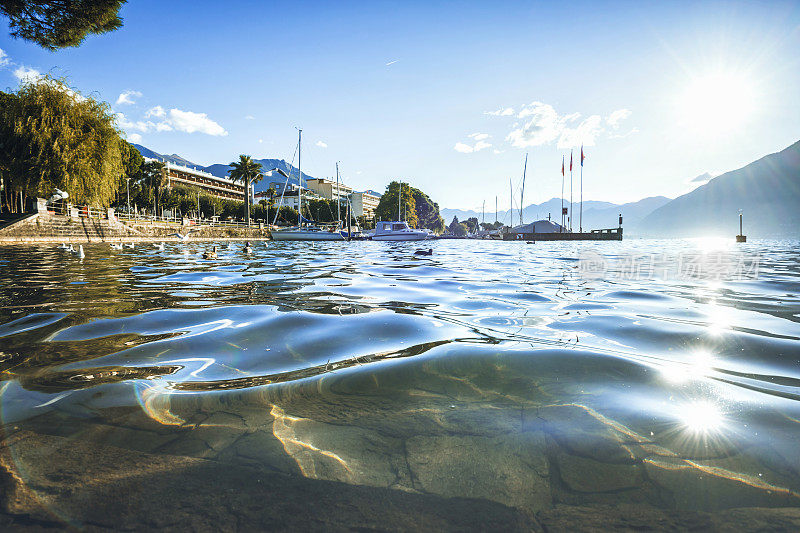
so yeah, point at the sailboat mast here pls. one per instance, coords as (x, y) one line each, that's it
(522, 194)
(495, 209)
(338, 208)
(399, 195)
(511, 203)
(299, 180)
(483, 213)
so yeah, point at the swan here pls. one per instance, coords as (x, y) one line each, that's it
(160, 247)
(63, 246)
(210, 255)
(116, 246)
(129, 245)
(78, 252)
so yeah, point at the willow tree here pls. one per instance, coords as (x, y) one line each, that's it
(248, 171)
(52, 137)
(54, 24)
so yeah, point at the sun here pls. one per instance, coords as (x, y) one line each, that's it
(716, 104)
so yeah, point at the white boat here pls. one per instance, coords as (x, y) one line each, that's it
(311, 233)
(397, 231)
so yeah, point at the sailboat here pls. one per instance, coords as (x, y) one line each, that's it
(305, 230)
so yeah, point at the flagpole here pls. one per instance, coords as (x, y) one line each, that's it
(570, 191)
(580, 227)
(562, 191)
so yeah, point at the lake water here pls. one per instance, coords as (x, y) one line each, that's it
(655, 377)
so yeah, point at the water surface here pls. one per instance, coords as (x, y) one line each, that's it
(668, 377)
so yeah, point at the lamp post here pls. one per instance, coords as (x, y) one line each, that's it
(128, 190)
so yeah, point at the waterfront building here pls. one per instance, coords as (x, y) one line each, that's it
(329, 189)
(224, 188)
(364, 204)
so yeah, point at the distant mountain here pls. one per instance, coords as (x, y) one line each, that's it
(596, 214)
(767, 191)
(374, 193)
(221, 169)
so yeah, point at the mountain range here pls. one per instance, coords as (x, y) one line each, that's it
(767, 191)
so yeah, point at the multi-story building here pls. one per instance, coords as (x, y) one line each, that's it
(329, 189)
(220, 187)
(364, 204)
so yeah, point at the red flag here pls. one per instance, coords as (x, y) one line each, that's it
(562, 165)
(582, 156)
(570, 160)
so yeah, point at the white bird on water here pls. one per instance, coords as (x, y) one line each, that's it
(160, 247)
(130, 245)
(181, 236)
(63, 246)
(78, 252)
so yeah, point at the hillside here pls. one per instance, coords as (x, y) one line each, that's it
(767, 191)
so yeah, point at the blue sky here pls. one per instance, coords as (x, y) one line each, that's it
(659, 92)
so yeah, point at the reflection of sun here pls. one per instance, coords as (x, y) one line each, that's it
(701, 418)
(715, 103)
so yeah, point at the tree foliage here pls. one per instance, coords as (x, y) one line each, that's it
(417, 207)
(52, 137)
(54, 24)
(247, 171)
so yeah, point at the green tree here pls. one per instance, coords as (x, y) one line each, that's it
(388, 206)
(154, 176)
(54, 24)
(52, 137)
(472, 224)
(248, 171)
(132, 163)
(427, 212)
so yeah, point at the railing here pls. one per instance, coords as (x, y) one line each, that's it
(214, 221)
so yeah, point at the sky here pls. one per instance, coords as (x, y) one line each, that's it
(450, 96)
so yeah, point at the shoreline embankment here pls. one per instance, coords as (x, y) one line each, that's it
(42, 228)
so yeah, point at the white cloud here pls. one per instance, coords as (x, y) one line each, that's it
(321, 144)
(128, 97)
(507, 112)
(134, 138)
(541, 124)
(190, 122)
(477, 147)
(4, 59)
(156, 111)
(27, 74)
(175, 119)
(614, 118)
(496, 151)
(392, 62)
(249, 117)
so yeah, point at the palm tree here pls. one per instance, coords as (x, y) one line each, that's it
(248, 171)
